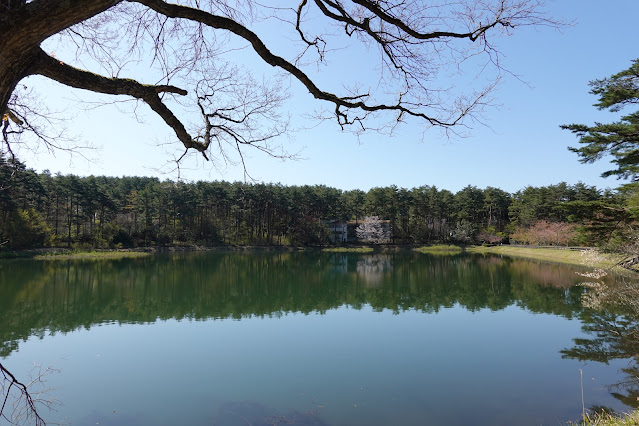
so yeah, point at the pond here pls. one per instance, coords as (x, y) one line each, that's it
(309, 338)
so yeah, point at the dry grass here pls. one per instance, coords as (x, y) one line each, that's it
(631, 419)
(92, 255)
(571, 257)
(440, 249)
(348, 250)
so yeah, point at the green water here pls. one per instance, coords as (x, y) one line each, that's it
(234, 338)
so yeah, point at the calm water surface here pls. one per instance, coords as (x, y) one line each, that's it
(229, 338)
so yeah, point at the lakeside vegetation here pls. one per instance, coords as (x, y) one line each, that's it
(571, 257)
(348, 250)
(630, 419)
(40, 210)
(74, 254)
(440, 249)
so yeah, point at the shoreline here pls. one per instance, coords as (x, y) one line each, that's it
(571, 257)
(604, 261)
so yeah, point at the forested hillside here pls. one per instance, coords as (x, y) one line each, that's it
(44, 210)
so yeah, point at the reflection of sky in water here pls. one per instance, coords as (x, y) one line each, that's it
(347, 367)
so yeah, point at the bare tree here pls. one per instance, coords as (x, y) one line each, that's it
(187, 50)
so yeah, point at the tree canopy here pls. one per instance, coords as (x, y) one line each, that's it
(619, 139)
(180, 60)
(45, 210)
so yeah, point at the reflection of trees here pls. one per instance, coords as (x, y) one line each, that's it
(372, 268)
(61, 296)
(614, 331)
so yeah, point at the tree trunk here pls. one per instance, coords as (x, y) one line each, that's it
(23, 27)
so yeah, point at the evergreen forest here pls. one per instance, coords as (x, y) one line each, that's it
(44, 210)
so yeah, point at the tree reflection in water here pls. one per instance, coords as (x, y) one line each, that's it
(372, 269)
(613, 322)
(37, 298)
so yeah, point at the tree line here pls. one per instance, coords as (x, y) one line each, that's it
(45, 210)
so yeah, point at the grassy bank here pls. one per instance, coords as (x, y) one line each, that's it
(439, 249)
(91, 255)
(66, 254)
(610, 420)
(571, 257)
(348, 250)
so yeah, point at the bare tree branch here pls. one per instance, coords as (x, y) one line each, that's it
(421, 45)
(341, 103)
(150, 94)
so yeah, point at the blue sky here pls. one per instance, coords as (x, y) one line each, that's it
(520, 145)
